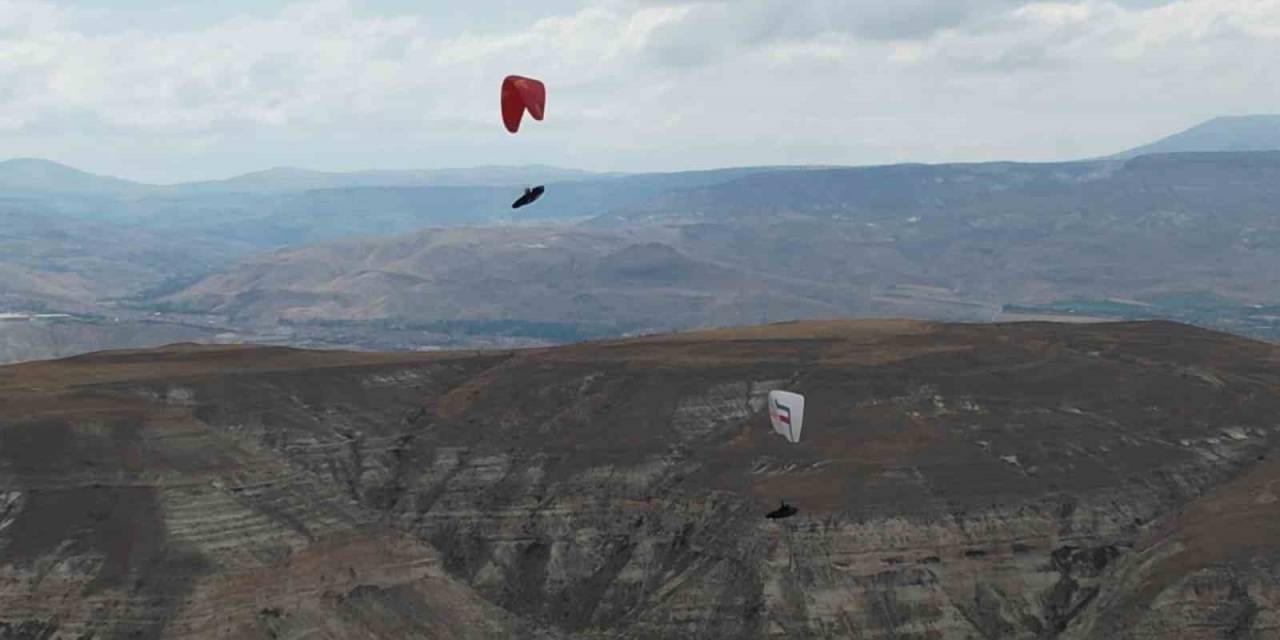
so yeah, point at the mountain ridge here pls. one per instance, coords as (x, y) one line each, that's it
(1255, 132)
(295, 178)
(42, 175)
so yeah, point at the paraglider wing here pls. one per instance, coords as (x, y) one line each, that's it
(520, 94)
(786, 412)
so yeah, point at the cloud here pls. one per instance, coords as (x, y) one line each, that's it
(765, 21)
(635, 84)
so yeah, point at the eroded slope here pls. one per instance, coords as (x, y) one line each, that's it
(122, 514)
(1013, 481)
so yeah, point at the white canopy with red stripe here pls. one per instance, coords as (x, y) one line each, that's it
(786, 412)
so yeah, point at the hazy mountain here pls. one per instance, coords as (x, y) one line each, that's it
(326, 214)
(289, 207)
(53, 263)
(36, 175)
(74, 251)
(887, 191)
(1231, 133)
(946, 241)
(38, 338)
(971, 481)
(1191, 236)
(45, 176)
(585, 281)
(294, 179)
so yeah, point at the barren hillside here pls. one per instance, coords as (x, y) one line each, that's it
(1011, 481)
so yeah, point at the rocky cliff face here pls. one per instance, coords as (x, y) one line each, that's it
(123, 515)
(955, 481)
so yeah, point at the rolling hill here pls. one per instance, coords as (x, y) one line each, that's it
(1032, 480)
(584, 281)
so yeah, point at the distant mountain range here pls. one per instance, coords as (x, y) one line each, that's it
(640, 252)
(1230, 133)
(293, 179)
(34, 175)
(26, 175)
(945, 241)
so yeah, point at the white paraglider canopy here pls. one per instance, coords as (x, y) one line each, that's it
(786, 412)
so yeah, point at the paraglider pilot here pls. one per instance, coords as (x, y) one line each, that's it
(784, 510)
(530, 195)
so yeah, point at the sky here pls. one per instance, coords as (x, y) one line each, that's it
(167, 91)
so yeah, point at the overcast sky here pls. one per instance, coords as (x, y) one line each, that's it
(163, 91)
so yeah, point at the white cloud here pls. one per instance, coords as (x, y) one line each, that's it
(634, 84)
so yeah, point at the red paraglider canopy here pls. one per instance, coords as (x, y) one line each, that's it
(520, 94)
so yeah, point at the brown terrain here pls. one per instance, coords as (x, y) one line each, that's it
(1028, 480)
